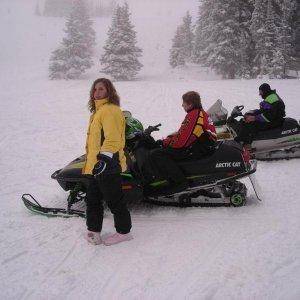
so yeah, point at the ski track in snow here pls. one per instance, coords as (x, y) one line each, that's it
(250, 252)
(52, 271)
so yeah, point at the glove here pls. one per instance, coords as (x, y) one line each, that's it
(104, 163)
(150, 129)
(159, 143)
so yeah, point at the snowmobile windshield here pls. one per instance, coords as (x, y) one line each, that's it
(133, 127)
(218, 113)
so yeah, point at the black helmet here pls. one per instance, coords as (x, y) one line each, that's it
(264, 90)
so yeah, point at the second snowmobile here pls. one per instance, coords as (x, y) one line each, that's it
(213, 180)
(282, 142)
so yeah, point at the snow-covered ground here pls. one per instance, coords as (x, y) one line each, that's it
(252, 252)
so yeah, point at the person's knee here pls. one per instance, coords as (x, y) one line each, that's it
(117, 206)
(93, 199)
(93, 204)
(156, 153)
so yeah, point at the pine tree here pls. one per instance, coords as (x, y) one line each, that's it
(257, 28)
(37, 11)
(202, 32)
(270, 44)
(245, 8)
(177, 53)
(290, 19)
(269, 32)
(222, 37)
(284, 55)
(188, 36)
(74, 56)
(181, 51)
(120, 59)
(295, 28)
(278, 68)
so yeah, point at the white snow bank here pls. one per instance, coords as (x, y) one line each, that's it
(250, 252)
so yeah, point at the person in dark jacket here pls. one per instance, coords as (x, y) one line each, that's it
(270, 115)
(195, 138)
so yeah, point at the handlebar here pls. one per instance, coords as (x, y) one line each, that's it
(240, 107)
(150, 129)
(237, 111)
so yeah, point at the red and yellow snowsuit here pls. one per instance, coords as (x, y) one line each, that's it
(195, 126)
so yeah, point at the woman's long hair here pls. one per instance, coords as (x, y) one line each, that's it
(112, 94)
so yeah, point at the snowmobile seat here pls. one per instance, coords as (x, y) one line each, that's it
(289, 126)
(226, 158)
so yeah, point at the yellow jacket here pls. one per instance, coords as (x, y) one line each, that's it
(108, 120)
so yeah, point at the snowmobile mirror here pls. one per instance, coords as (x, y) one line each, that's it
(127, 114)
(218, 113)
(237, 111)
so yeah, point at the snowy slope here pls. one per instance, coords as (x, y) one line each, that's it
(251, 252)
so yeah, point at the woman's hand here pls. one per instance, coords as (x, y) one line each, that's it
(106, 165)
(101, 165)
(104, 162)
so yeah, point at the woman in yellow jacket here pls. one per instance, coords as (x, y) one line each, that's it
(105, 161)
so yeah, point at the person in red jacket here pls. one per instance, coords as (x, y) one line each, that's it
(195, 138)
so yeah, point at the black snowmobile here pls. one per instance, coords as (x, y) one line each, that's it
(213, 180)
(278, 143)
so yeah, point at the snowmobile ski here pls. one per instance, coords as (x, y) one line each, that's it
(49, 211)
(289, 153)
(256, 187)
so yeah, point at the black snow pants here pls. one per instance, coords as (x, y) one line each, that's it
(164, 160)
(248, 131)
(108, 188)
